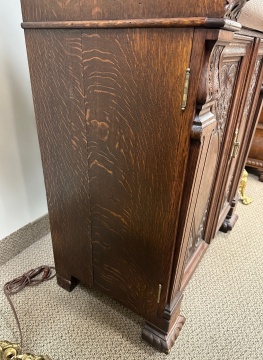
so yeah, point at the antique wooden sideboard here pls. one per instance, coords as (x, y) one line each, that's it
(144, 115)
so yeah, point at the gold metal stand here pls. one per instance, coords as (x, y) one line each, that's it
(242, 189)
(9, 351)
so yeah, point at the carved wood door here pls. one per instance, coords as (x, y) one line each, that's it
(233, 75)
(133, 83)
(215, 124)
(221, 88)
(242, 137)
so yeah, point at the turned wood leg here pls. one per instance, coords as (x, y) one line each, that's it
(230, 219)
(260, 175)
(67, 283)
(161, 340)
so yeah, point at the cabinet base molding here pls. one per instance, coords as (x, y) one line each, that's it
(161, 340)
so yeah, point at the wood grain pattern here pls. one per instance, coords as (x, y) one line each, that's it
(55, 61)
(133, 182)
(68, 10)
(134, 81)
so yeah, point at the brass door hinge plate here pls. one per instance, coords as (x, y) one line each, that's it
(159, 293)
(186, 88)
(235, 146)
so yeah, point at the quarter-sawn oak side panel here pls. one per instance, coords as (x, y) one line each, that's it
(55, 61)
(134, 81)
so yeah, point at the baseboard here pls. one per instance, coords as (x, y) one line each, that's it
(19, 240)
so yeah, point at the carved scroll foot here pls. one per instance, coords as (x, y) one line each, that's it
(161, 340)
(67, 283)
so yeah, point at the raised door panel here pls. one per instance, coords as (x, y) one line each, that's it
(212, 125)
(244, 129)
(134, 81)
(212, 139)
(233, 71)
(217, 99)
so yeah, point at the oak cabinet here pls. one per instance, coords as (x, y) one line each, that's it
(140, 160)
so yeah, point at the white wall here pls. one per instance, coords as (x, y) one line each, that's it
(22, 194)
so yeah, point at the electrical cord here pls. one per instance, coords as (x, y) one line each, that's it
(30, 278)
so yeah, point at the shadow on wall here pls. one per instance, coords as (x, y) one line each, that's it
(25, 132)
(22, 194)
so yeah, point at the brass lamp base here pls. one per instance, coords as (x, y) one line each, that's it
(9, 351)
(242, 189)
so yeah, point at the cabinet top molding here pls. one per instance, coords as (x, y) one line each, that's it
(82, 10)
(136, 23)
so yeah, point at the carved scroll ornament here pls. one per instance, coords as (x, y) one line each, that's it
(234, 8)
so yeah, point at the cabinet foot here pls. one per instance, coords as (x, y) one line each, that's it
(228, 224)
(161, 340)
(230, 219)
(260, 175)
(67, 283)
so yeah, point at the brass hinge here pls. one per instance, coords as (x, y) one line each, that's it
(186, 88)
(235, 146)
(159, 293)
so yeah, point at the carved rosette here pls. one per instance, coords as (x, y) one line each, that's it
(233, 9)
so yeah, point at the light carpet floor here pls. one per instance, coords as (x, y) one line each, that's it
(223, 304)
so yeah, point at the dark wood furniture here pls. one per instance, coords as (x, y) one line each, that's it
(141, 162)
(255, 156)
